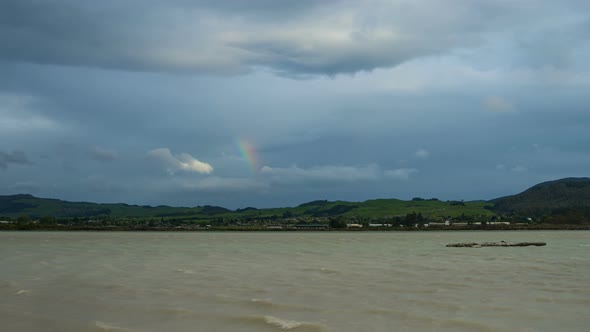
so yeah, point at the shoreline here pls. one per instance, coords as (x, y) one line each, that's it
(52, 228)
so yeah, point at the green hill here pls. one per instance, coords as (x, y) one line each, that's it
(566, 197)
(548, 198)
(17, 205)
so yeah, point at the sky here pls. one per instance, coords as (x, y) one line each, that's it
(271, 103)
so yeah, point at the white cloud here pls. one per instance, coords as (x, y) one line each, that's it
(182, 162)
(422, 154)
(497, 104)
(501, 167)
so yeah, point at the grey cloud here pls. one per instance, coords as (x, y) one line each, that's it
(104, 155)
(555, 45)
(310, 38)
(29, 187)
(69, 155)
(515, 169)
(15, 157)
(334, 174)
(278, 180)
(323, 173)
(225, 184)
(20, 115)
(422, 154)
(497, 104)
(346, 133)
(72, 155)
(260, 9)
(400, 173)
(519, 169)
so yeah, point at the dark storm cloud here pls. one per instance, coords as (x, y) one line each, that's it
(293, 38)
(458, 99)
(15, 157)
(70, 33)
(131, 35)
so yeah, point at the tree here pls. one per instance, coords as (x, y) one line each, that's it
(47, 220)
(411, 218)
(23, 219)
(337, 223)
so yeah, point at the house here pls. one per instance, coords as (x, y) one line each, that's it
(274, 227)
(354, 225)
(310, 226)
(380, 225)
(446, 223)
(460, 224)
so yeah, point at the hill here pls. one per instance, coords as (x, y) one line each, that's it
(548, 198)
(17, 205)
(568, 198)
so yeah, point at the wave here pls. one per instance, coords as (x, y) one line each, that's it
(269, 304)
(377, 311)
(321, 270)
(284, 324)
(177, 312)
(458, 324)
(263, 302)
(102, 326)
(185, 271)
(5, 284)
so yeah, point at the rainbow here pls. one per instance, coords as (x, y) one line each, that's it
(248, 154)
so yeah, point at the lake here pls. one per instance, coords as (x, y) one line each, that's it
(299, 281)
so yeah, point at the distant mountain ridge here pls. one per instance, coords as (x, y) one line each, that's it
(21, 204)
(540, 200)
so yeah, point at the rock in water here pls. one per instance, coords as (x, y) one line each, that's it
(496, 244)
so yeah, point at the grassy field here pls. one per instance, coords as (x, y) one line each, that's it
(431, 209)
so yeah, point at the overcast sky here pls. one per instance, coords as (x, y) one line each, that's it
(274, 103)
